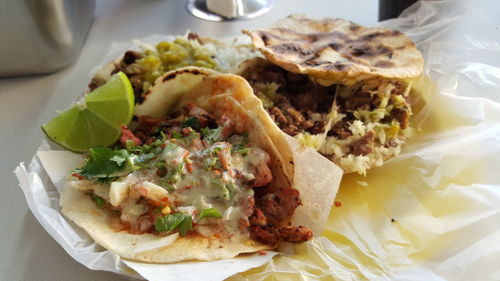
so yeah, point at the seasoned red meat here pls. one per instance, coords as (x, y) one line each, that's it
(258, 218)
(279, 205)
(127, 135)
(266, 235)
(295, 234)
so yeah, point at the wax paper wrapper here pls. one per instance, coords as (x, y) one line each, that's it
(432, 213)
(43, 180)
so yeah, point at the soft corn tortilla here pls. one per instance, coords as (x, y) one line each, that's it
(334, 50)
(218, 94)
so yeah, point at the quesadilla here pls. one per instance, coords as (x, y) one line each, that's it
(200, 175)
(336, 86)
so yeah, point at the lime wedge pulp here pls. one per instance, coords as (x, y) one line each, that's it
(95, 120)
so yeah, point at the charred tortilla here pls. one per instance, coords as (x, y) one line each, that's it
(336, 86)
(338, 51)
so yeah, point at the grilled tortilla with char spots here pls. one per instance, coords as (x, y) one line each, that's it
(338, 51)
(336, 86)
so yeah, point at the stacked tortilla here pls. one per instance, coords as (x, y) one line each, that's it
(337, 86)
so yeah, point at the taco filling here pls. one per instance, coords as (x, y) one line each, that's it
(190, 174)
(144, 65)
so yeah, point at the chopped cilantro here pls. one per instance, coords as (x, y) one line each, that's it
(243, 151)
(160, 164)
(192, 122)
(228, 190)
(99, 201)
(130, 145)
(231, 190)
(170, 222)
(167, 185)
(176, 135)
(209, 213)
(211, 135)
(172, 177)
(241, 147)
(186, 225)
(105, 162)
(179, 169)
(212, 163)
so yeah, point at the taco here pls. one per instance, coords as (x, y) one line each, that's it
(336, 86)
(143, 63)
(197, 176)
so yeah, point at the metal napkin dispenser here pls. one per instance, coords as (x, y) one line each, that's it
(42, 36)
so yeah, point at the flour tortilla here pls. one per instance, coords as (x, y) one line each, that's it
(334, 50)
(218, 94)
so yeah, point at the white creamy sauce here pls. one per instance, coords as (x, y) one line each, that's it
(198, 177)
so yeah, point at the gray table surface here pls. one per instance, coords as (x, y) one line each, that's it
(27, 252)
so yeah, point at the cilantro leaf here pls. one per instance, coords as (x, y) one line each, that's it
(212, 163)
(211, 135)
(105, 162)
(167, 185)
(183, 222)
(209, 213)
(242, 146)
(173, 176)
(99, 201)
(168, 222)
(192, 122)
(228, 190)
(177, 135)
(186, 225)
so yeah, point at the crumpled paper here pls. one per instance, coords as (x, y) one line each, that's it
(432, 213)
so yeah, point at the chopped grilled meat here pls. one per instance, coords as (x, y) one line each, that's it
(297, 97)
(295, 234)
(130, 57)
(96, 83)
(278, 116)
(363, 146)
(203, 117)
(194, 36)
(228, 126)
(249, 206)
(279, 204)
(340, 130)
(292, 121)
(317, 128)
(271, 74)
(267, 235)
(402, 116)
(128, 136)
(358, 101)
(258, 218)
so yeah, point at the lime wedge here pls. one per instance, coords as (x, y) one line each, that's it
(96, 120)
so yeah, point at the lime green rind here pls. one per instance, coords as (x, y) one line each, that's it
(98, 124)
(66, 117)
